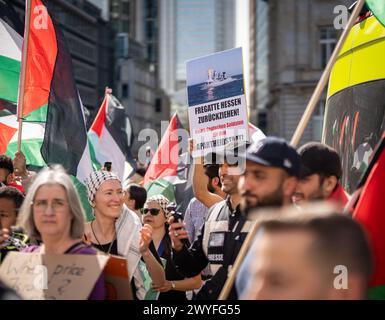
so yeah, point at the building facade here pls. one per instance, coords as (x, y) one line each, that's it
(291, 42)
(137, 88)
(136, 72)
(190, 29)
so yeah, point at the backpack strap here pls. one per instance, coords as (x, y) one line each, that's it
(76, 247)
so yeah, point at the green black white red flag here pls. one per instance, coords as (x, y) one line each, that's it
(11, 41)
(50, 96)
(110, 137)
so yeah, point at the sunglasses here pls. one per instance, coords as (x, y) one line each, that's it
(153, 211)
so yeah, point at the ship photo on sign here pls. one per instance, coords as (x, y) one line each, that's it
(216, 97)
(214, 77)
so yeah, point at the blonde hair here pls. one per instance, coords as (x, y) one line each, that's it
(50, 176)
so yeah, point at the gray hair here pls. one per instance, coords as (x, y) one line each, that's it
(50, 176)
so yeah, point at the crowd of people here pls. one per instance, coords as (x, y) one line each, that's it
(267, 189)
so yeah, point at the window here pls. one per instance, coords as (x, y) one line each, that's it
(125, 91)
(318, 119)
(126, 8)
(328, 39)
(158, 105)
(262, 121)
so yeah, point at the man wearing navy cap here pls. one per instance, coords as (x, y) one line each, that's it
(269, 180)
(271, 174)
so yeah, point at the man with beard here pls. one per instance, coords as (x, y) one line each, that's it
(320, 172)
(270, 179)
(271, 175)
(221, 236)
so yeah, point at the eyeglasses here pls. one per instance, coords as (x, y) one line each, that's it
(153, 211)
(57, 205)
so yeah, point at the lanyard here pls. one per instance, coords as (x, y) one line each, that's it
(161, 248)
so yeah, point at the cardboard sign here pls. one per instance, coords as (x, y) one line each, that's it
(52, 277)
(217, 104)
(117, 280)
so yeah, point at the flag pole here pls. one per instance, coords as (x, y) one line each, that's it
(324, 78)
(238, 262)
(23, 72)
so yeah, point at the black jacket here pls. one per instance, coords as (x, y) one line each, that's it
(191, 261)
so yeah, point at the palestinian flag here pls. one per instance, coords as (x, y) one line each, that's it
(169, 172)
(164, 163)
(255, 134)
(11, 41)
(51, 97)
(50, 94)
(369, 211)
(110, 137)
(378, 9)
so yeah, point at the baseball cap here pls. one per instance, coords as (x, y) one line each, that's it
(319, 158)
(275, 152)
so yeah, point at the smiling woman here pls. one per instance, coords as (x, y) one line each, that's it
(117, 230)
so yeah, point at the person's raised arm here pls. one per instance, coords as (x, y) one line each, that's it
(155, 269)
(200, 182)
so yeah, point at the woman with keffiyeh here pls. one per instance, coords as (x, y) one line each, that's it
(155, 214)
(117, 230)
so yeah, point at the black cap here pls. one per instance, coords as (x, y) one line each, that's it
(275, 152)
(319, 158)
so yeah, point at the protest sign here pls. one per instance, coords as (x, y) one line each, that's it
(52, 277)
(217, 104)
(117, 280)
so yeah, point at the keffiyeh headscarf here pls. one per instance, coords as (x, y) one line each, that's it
(162, 201)
(95, 180)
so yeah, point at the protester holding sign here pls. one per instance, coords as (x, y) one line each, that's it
(52, 213)
(221, 236)
(117, 230)
(174, 288)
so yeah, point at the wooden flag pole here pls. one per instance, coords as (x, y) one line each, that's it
(23, 72)
(324, 78)
(237, 264)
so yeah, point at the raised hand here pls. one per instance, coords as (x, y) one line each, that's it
(145, 238)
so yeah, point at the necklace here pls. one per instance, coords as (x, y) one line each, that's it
(102, 246)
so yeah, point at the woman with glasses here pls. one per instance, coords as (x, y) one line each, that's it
(53, 216)
(117, 230)
(155, 214)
